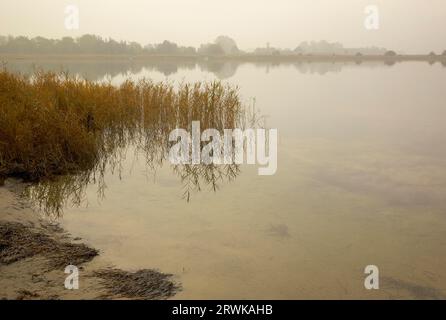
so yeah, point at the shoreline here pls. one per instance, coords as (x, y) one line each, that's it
(238, 58)
(34, 253)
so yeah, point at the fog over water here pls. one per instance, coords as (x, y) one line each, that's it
(406, 25)
(361, 179)
(361, 169)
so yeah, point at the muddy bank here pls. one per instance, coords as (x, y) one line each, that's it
(19, 242)
(35, 252)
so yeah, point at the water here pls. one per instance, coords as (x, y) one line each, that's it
(361, 180)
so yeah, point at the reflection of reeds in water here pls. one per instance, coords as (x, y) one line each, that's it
(62, 133)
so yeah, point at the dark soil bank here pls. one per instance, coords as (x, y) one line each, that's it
(33, 259)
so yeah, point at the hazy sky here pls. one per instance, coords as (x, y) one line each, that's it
(407, 25)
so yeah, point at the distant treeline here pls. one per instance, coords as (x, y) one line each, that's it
(92, 44)
(223, 45)
(86, 44)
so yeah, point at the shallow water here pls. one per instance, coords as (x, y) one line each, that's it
(361, 180)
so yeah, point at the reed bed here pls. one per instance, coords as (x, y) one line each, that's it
(54, 124)
(61, 132)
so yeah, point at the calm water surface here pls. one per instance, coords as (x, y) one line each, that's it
(361, 180)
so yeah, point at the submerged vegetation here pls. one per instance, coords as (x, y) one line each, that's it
(61, 132)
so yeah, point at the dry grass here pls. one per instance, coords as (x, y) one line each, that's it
(62, 132)
(53, 124)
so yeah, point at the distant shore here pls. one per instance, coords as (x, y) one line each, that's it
(241, 58)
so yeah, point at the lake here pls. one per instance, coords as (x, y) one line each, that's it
(361, 180)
